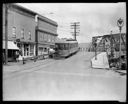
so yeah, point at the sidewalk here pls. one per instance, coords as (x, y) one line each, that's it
(15, 66)
(121, 71)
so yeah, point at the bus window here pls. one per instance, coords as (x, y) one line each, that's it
(65, 46)
(60, 46)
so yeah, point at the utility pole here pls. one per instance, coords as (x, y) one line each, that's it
(75, 26)
(6, 33)
(36, 34)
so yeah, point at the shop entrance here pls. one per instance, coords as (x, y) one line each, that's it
(26, 49)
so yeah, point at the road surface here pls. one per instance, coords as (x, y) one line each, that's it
(63, 79)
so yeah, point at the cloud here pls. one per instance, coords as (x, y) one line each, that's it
(95, 18)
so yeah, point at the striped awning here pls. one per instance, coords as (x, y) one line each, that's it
(11, 45)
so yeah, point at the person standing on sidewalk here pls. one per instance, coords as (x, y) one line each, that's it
(16, 56)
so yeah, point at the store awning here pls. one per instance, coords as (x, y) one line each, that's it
(11, 45)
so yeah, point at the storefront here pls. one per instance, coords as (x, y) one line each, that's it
(28, 49)
(43, 49)
(12, 48)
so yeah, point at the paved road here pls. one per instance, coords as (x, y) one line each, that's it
(64, 79)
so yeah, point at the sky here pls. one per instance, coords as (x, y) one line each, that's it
(96, 19)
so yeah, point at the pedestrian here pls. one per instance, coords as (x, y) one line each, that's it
(16, 56)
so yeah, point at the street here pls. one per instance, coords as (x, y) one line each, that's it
(62, 79)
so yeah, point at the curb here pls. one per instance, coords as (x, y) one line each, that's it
(121, 72)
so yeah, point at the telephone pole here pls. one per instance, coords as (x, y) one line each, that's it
(75, 26)
(6, 34)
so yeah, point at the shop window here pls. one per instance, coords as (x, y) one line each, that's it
(22, 33)
(31, 50)
(26, 49)
(14, 32)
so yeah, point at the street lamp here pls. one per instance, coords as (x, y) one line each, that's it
(111, 46)
(120, 24)
(95, 44)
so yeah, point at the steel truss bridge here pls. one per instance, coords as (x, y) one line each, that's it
(110, 44)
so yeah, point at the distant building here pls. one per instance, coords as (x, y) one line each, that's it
(31, 36)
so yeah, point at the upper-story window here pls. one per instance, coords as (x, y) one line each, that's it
(22, 33)
(45, 37)
(49, 38)
(14, 32)
(42, 37)
(29, 33)
(52, 38)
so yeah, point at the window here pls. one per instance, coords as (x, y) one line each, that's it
(44, 37)
(22, 33)
(48, 38)
(51, 38)
(54, 38)
(41, 37)
(29, 33)
(14, 32)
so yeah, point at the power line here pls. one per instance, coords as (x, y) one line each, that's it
(65, 31)
(75, 26)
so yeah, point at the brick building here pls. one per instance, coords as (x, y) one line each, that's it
(46, 34)
(35, 33)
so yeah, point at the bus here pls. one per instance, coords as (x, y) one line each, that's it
(66, 48)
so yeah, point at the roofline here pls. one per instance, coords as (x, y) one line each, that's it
(108, 35)
(47, 20)
(33, 13)
(47, 32)
(64, 41)
(22, 8)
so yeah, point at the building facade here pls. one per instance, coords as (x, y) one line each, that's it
(31, 36)
(46, 34)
